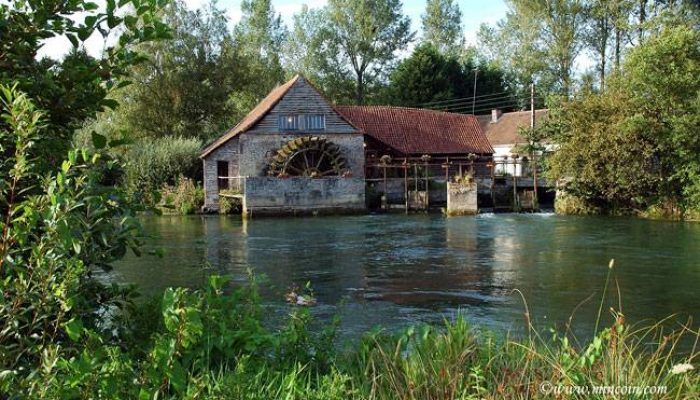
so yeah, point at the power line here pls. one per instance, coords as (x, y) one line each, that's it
(462, 99)
(467, 108)
(492, 103)
(485, 101)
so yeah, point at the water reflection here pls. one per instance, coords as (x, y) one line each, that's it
(395, 269)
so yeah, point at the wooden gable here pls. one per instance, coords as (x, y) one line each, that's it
(301, 99)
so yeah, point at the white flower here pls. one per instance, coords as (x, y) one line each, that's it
(681, 368)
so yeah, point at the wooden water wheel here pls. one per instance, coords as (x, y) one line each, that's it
(308, 156)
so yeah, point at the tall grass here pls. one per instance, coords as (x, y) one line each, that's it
(459, 362)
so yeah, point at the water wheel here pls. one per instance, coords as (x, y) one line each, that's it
(309, 156)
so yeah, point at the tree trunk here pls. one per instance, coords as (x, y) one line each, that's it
(642, 18)
(360, 92)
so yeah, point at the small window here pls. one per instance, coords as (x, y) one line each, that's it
(222, 175)
(289, 122)
(316, 122)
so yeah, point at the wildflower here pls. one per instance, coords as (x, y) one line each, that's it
(612, 263)
(681, 368)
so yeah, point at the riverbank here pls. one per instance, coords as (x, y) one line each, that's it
(212, 344)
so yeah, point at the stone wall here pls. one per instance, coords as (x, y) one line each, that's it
(229, 152)
(296, 195)
(462, 199)
(257, 148)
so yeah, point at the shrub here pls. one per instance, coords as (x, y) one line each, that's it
(184, 198)
(154, 163)
(50, 245)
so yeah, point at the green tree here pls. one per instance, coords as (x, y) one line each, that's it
(75, 88)
(262, 35)
(183, 88)
(539, 40)
(442, 25)
(636, 144)
(429, 78)
(362, 40)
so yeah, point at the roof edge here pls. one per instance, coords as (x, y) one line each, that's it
(239, 128)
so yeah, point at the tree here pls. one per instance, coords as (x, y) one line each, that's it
(184, 86)
(599, 31)
(74, 89)
(362, 39)
(442, 25)
(539, 39)
(429, 78)
(261, 35)
(426, 76)
(635, 145)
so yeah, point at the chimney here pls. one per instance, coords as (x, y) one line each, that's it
(495, 115)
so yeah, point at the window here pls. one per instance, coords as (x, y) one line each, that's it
(289, 122)
(316, 122)
(222, 175)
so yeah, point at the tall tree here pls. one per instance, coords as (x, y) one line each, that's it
(541, 37)
(442, 25)
(184, 86)
(262, 34)
(636, 144)
(363, 39)
(599, 32)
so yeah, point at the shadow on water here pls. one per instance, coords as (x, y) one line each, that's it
(392, 270)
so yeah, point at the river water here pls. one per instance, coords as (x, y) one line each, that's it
(394, 270)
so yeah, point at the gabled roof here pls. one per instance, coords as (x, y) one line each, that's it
(505, 131)
(420, 131)
(253, 116)
(264, 107)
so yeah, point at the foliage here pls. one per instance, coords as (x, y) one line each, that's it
(429, 78)
(186, 197)
(71, 90)
(622, 151)
(183, 87)
(262, 36)
(51, 244)
(442, 26)
(151, 164)
(356, 45)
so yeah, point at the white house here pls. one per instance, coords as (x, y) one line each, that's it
(503, 132)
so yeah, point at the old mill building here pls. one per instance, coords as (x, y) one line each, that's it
(296, 153)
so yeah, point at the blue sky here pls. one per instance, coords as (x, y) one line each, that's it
(474, 12)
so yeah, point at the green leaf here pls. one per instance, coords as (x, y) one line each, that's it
(74, 329)
(89, 6)
(73, 40)
(110, 103)
(98, 141)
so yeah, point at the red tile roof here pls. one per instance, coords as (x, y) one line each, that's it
(420, 131)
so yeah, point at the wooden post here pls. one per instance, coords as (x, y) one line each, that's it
(384, 197)
(515, 183)
(534, 151)
(405, 184)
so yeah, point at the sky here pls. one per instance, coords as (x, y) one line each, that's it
(474, 13)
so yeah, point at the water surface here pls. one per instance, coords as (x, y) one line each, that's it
(392, 270)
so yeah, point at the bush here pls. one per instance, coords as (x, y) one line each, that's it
(154, 163)
(183, 199)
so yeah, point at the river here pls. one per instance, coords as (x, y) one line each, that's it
(394, 270)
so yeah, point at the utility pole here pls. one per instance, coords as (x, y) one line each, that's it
(476, 71)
